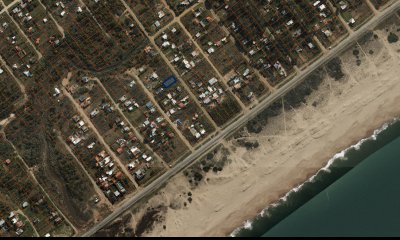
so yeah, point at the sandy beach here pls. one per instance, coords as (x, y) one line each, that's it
(292, 147)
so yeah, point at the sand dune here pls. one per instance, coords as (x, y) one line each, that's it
(293, 147)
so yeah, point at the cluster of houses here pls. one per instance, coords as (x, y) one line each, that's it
(240, 80)
(63, 10)
(209, 91)
(174, 104)
(15, 42)
(79, 135)
(202, 21)
(12, 222)
(155, 128)
(130, 144)
(110, 179)
(255, 53)
(160, 17)
(344, 8)
(126, 144)
(181, 57)
(265, 39)
(324, 14)
(22, 11)
(174, 101)
(180, 5)
(55, 217)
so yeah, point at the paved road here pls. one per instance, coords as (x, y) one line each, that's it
(244, 119)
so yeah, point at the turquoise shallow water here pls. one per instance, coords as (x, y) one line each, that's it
(359, 195)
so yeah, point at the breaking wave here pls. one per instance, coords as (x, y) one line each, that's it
(341, 156)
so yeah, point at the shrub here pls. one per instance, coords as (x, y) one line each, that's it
(392, 38)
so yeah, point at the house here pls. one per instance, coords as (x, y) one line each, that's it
(19, 224)
(76, 118)
(7, 161)
(343, 5)
(90, 146)
(212, 81)
(120, 187)
(85, 79)
(198, 12)
(134, 151)
(94, 113)
(25, 205)
(19, 231)
(56, 92)
(194, 132)
(132, 84)
(161, 14)
(82, 98)
(84, 129)
(28, 73)
(75, 140)
(149, 105)
(120, 150)
(139, 174)
(81, 123)
(57, 220)
(153, 76)
(1, 71)
(123, 99)
(204, 23)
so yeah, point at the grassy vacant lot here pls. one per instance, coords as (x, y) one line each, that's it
(358, 10)
(177, 7)
(16, 184)
(14, 48)
(7, 2)
(9, 93)
(40, 28)
(152, 14)
(379, 3)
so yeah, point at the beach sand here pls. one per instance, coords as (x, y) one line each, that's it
(293, 147)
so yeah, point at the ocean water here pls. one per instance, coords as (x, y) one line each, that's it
(356, 194)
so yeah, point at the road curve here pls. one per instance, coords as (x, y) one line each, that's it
(244, 119)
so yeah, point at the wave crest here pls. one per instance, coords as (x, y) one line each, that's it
(338, 156)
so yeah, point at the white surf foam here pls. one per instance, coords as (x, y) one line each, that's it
(338, 156)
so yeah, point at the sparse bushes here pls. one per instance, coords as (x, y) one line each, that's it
(334, 69)
(392, 38)
(214, 161)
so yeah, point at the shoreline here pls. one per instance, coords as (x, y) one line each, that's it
(293, 146)
(337, 157)
(255, 212)
(381, 115)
